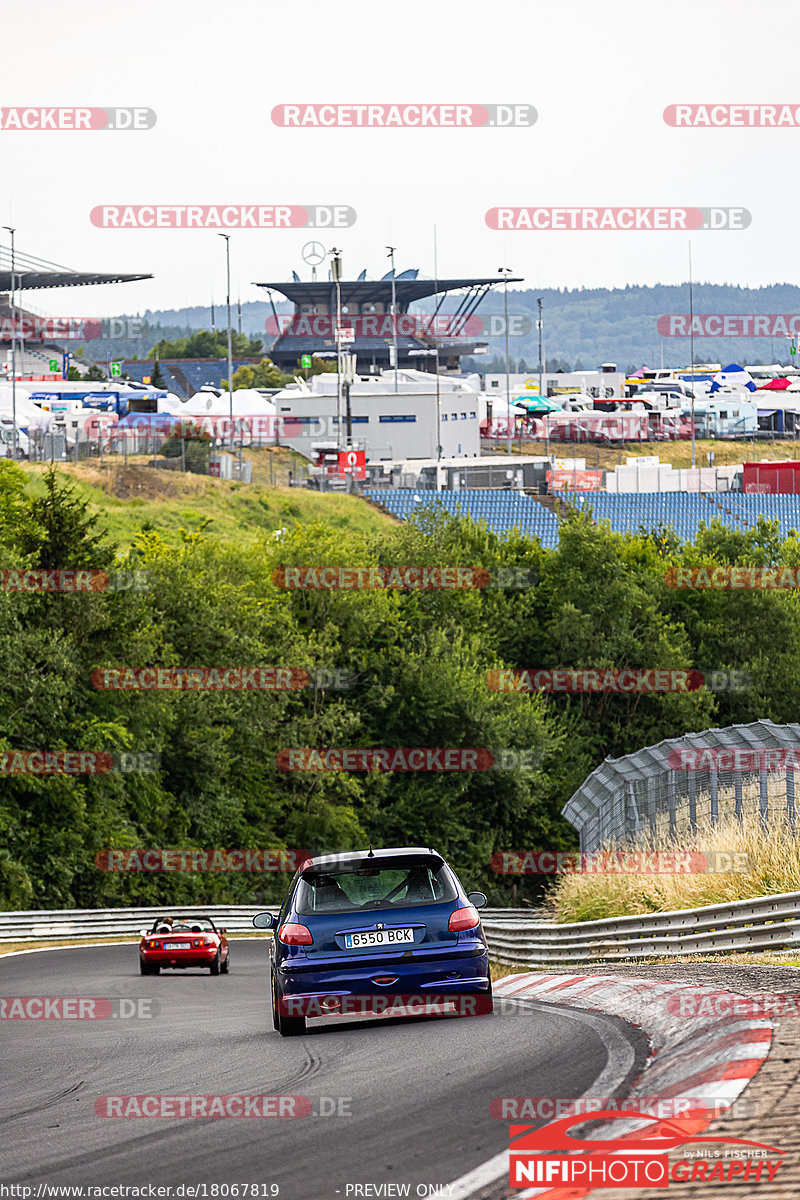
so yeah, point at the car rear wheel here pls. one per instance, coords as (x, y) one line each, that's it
(291, 1026)
(225, 967)
(214, 968)
(148, 968)
(286, 1026)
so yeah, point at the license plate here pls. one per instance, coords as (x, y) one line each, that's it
(378, 937)
(173, 945)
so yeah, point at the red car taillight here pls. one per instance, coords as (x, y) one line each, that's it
(292, 934)
(203, 943)
(463, 918)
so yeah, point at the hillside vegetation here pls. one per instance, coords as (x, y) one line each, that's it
(209, 597)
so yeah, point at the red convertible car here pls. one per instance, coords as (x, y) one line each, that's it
(184, 942)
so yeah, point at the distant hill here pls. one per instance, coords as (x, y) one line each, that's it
(582, 326)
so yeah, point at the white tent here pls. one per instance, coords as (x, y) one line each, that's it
(170, 403)
(29, 415)
(246, 402)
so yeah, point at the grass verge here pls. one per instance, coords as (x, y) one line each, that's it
(763, 863)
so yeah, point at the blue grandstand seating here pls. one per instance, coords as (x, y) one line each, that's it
(626, 512)
(684, 511)
(501, 511)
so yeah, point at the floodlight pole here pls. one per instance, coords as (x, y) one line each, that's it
(390, 255)
(691, 344)
(227, 237)
(336, 271)
(12, 231)
(505, 272)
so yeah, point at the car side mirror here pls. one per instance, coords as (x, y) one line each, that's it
(223, 930)
(477, 899)
(265, 920)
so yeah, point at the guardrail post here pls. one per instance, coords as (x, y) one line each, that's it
(632, 822)
(763, 799)
(790, 797)
(651, 805)
(714, 784)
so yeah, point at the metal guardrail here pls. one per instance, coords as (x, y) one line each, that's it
(47, 926)
(515, 936)
(766, 923)
(44, 926)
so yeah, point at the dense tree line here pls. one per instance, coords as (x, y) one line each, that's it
(417, 661)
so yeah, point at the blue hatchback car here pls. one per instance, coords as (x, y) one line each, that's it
(362, 926)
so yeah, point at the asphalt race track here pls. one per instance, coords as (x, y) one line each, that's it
(409, 1098)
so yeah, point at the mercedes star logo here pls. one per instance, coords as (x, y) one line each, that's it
(314, 253)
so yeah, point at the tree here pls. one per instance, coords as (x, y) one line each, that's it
(95, 372)
(157, 379)
(258, 375)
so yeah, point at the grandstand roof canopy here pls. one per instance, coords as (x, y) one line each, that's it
(31, 280)
(365, 291)
(32, 273)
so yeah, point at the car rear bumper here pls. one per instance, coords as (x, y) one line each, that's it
(197, 958)
(449, 975)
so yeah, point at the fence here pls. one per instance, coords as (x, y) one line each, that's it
(185, 454)
(665, 790)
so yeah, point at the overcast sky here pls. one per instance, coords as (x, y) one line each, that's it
(599, 73)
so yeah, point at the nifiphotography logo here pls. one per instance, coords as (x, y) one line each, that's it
(552, 1156)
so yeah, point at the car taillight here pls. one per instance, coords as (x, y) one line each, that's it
(153, 945)
(202, 942)
(463, 918)
(292, 934)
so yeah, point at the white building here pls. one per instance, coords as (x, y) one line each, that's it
(601, 385)
(389, 423)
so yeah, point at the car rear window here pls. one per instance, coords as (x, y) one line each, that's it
(362, 886)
